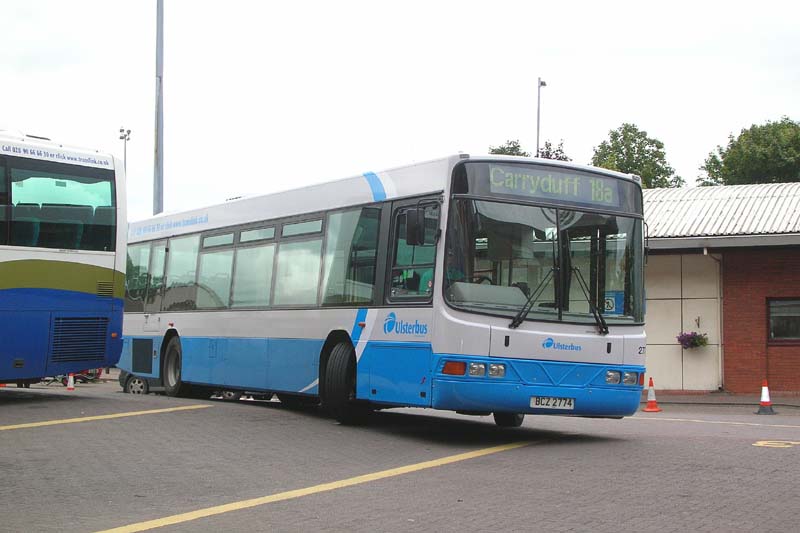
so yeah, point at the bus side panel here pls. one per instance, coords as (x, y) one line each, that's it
(290, 365)
(399, 372)
(200, 361)
(244, 362)
(294, 365)
(24, 344)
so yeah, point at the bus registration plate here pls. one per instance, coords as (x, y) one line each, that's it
(551, 402)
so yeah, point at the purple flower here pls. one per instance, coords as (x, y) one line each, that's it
(692, 339)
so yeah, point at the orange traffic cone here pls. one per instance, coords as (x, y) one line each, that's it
(71, 382)
(765, 407)
(652, 404)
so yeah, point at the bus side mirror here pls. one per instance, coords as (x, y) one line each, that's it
(415, 226)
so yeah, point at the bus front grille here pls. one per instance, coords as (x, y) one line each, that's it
(79, 339)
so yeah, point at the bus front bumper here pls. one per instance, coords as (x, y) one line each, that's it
(511, 397)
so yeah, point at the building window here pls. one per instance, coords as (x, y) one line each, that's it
(784, 320)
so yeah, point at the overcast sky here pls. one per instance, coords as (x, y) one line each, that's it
(265, 96)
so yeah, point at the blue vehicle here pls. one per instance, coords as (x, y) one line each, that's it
(487, 285)
(62, 260)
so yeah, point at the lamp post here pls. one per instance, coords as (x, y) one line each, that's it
(541, 83)
(158, 171)
(125, 136)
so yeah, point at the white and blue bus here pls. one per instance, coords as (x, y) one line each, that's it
(481, 285)
(62, 260)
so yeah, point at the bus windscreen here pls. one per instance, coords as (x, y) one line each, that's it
(549, 185)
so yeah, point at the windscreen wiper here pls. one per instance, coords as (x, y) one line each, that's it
(535, 294)
(602, 327)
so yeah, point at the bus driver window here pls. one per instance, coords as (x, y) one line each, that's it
(412, 269)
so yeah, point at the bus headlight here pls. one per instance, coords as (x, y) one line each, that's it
(630, 378)
(477, 369)
(612, 377)
(497, 370)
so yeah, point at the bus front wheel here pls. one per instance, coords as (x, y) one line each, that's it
(509, 420)
(171, 370)
(340, 386)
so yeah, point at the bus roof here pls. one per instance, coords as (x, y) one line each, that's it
(14, 143)
(407, 181)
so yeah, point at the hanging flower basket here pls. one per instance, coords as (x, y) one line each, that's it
(692, 339)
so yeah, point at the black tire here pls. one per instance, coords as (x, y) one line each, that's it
(509, 420)
(340, 386)
(136, 385)
(171, 370)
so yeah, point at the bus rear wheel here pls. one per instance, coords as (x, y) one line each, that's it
(340, 386)
(171, 370)
(509, 420)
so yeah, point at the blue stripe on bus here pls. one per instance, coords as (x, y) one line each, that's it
(378, 192)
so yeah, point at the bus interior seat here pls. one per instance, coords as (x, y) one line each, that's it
(99, 234)
(412, 282)
(25, 224)
(62, 225)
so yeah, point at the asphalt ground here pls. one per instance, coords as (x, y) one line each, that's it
(96, 459)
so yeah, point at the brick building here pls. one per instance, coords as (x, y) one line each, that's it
(724, 261)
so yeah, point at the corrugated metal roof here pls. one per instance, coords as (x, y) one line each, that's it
(723, 210)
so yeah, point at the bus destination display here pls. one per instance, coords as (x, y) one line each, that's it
(548, 184)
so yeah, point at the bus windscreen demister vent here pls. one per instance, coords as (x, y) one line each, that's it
(79, 339)
(105, 289)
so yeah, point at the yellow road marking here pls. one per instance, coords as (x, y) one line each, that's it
(100, 417)
(316, 489)
(776, 443)
(715, 422)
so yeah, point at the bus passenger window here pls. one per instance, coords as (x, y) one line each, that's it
(297, 275)
(214, 280)
(412, 270)
(252, 276)
(181, 291)
(351, 253)
(136, 277)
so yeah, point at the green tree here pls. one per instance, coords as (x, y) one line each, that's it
(769, 153)
(511, 147)
(557, 153)
(629, 149)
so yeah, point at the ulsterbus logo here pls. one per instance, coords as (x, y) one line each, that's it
(550, 344)
(389, 323)
(400, 327)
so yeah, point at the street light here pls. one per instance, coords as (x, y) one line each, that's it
(539, 86)
(125, 136)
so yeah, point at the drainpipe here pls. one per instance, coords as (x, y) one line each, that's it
(719, 317)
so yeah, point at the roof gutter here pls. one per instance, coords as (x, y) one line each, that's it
(727, 241)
